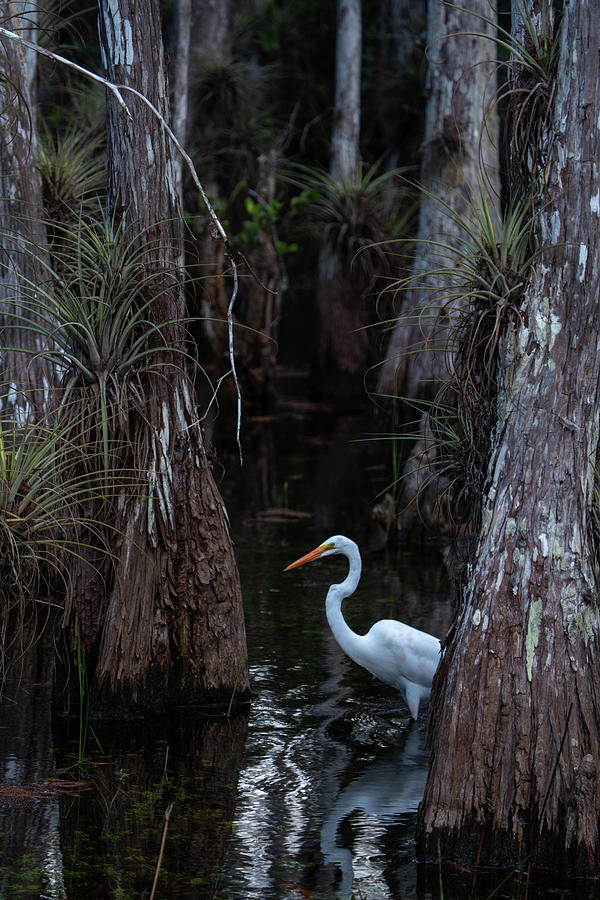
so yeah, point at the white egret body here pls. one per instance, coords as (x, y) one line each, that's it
(397, 654)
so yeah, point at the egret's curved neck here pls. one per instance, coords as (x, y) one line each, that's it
(346, 638)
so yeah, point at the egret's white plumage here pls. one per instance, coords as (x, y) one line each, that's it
(397, 654)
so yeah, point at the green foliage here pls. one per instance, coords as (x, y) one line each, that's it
(357, 217)
(73, 172)
(529, 55)
(43, 503)
(480, 278)
(93, 317)
(483, 272)
(264, 216)
(305, 198)
(537, 49)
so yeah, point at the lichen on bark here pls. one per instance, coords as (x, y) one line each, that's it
(517, 709)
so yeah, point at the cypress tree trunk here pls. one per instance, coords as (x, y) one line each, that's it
(459, 155)
(345, 151)
(26, 379)
(173, 628)
(516, 703)
(343, 341)
(460, 145)
(210, 48)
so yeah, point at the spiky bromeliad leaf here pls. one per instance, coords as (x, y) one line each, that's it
(93, 318)
(45, 498)
(72, 167)
(356, 217)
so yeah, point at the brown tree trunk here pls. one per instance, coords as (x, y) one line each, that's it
(516, 703)
(26, 379)
(173, 630)
(343, 337)
(264, 293)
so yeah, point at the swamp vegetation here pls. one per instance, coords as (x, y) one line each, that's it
(254, 286)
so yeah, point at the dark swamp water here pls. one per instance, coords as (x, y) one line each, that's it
(313, 791)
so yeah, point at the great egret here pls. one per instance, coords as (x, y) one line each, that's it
(397, 654)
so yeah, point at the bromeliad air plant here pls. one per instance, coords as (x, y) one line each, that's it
(45, 497)
(93, 317)
(477, 287)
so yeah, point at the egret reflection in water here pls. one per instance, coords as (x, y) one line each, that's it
(391, 786)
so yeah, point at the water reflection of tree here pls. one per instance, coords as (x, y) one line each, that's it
(111, 838)
(29, 821)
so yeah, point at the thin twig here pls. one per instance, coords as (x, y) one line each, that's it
(168, 812)
(213, 398)
(232, 360)
(165, 771)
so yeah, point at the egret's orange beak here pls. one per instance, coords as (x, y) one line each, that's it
(314, 554)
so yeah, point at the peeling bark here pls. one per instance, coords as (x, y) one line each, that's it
(459, 155)
(520, 668)
(172, 630)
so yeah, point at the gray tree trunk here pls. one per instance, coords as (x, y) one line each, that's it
(26, 380)
(200, 34)
(460, 155)
(516, 703)
(180, 68)
(173, 628)
(345, 151)
(460, 145)
(343, 341)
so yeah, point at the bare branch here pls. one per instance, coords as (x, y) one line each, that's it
(13, 36)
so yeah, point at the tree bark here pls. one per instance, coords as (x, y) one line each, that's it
(27, 379)
(180, 66)
(343, 342)
(173, 629)
(460, 144)
(345, 151)
(459, 155)
(210, 47)
(516, 702)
